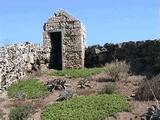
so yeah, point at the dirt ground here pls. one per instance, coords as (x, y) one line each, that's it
(125, 87)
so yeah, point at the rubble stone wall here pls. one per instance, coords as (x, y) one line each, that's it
(19, 59)
(143, 56)
(73, 31)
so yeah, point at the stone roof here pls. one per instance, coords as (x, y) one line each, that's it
(60, 13)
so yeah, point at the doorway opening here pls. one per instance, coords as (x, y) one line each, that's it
(56, 51)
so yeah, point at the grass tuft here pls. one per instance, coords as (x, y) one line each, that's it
(108, 89)
(118, 70)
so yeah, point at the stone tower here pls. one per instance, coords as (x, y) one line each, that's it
(65, 36)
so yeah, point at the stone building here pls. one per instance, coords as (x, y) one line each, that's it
(65, 36)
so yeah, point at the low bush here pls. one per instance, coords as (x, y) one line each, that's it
(86, 108)
(20, 112)
(66, 94)
(55, 84)
(76, 73)
(27, 89)
(118, 70)
(108, 89)
(83, 83)
(149, 89)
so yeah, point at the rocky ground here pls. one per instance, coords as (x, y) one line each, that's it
(125, 87)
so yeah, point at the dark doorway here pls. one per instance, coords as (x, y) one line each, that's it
(56, 51)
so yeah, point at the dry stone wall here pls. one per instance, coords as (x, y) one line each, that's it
(143, 56)
(19, 59)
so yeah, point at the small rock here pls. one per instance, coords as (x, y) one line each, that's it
(29, 67)
(135, 84)
(133, 95)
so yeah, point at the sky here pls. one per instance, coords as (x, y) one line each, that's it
(106, 21)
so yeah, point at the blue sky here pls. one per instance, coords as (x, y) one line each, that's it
(106, 21)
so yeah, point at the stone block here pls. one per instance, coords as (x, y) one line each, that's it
(77, 24)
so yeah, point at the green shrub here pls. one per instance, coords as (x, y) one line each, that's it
(27, 89)
(20, 112)
(108, 89)
(86, 108)
(118, 70)
(86, 72)
(149, 89)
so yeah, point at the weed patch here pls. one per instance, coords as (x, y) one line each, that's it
(76, 73)
(86, 108)
(20, 112)
(27, 89)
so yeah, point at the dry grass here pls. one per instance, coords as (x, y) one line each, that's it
(118, 70)
(149, 89)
